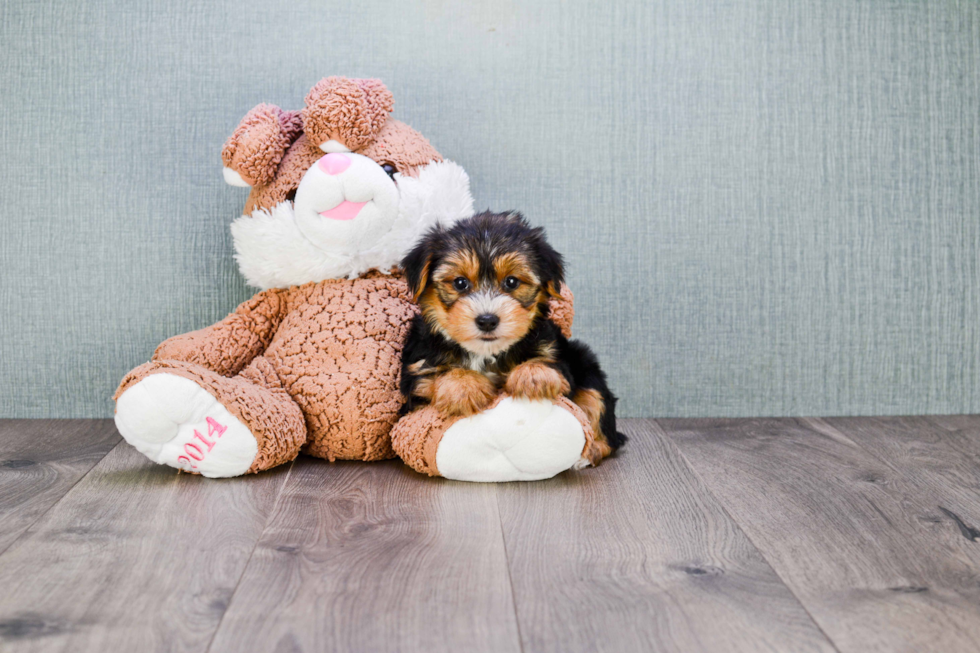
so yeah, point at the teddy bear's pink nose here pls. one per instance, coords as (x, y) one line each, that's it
(334, 163)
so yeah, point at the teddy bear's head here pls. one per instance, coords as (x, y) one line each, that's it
(337, 188)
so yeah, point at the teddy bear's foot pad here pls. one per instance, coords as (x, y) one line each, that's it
(517, 440)
(173, 421)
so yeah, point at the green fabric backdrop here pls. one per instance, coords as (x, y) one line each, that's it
(768, 207)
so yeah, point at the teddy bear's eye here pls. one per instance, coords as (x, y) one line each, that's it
(389, 169)
(461, 284)
(511, 283)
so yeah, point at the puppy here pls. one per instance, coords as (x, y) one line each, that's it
(483, 288)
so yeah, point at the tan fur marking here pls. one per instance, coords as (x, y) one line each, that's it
(459, 264)
(514, 264)
(462, 392)
(422, 368)
(536, 380)
(590, 401)
(459, 321)
(433, 309)
(423, 281)
(515, 320)
(553, 290)
(546, 352)
(527, 294)
(600, 450)
(454, 314)
(424, 388)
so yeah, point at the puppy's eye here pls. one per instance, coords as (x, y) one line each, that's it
(461, 284)
(389, 169)
(511, 283)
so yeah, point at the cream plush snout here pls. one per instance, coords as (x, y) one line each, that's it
(345, 203)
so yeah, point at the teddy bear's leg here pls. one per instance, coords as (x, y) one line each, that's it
(186, 416)
(513, 440)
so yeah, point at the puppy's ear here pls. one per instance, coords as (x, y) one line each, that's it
(550, 263)
(418, 263)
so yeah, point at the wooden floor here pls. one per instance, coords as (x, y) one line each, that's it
(855, 534)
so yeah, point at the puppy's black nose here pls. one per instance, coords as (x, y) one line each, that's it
(487, 322)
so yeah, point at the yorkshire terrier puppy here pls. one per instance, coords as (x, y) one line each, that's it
(483, 288)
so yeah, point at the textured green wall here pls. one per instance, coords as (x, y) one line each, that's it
(767, 207)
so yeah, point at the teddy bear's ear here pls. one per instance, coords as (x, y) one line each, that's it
(379, 100)
(350, 112)
(418, 263)
(252, 154)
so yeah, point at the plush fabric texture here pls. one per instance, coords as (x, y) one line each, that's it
(397, 143)
(312, 362)
(354, 109)
(231, 344)
(257, 146)
(274, 419)
(401, 146)
(517, 440)
(272, 149)
(273, 252)
(316, 367)
(174, 421)
(417, 436)
(327, 379)
(562, 311)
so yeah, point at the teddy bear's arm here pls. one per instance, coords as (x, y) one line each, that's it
(231, 344)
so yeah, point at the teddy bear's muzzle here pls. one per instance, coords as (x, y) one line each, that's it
(345, 202)
(335, 164)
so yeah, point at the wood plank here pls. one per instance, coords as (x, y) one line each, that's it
(40, 460)
(636, 555)
(964, 434)
(867, 554)
(134, 558)
(374, 557)
(941, 464)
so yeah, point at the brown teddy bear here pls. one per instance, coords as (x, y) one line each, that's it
(339, 193)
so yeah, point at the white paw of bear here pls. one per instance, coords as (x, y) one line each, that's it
(517, 440)
(173, 421)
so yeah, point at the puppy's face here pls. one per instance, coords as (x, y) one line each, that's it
(484, 305)
(485, 282)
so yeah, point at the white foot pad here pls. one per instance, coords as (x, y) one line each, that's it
(173, 421)
(517, 440)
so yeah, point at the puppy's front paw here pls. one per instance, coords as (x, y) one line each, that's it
(534, 380)
(462, 392)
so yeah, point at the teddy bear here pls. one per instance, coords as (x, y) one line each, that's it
(339, 193)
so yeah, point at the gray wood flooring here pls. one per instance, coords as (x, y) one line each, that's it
(852, 535)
